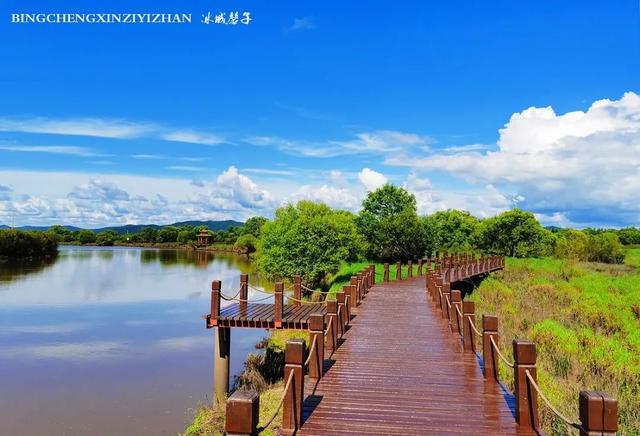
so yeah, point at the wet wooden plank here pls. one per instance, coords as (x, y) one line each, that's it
(400, 371)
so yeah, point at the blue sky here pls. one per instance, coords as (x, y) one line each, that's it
(472, 105)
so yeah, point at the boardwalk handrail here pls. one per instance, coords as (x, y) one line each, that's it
(598, 411)
(243, 408)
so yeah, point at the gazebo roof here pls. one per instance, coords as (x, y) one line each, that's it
(203, 233)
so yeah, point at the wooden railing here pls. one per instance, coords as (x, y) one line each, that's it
(598, 412)
(325, 332)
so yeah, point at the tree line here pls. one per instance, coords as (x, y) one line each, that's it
(245, 235)
(314, 240)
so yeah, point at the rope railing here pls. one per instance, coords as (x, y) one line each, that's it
(566, 420)
(297, 300)
(224, 297)
(497, 350)
(263, 427)
(314, 290)
(311, 351)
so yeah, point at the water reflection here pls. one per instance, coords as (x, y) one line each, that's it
(110, 340)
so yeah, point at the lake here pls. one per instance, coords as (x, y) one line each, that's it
(110, 341)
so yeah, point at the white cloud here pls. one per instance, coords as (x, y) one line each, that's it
(302, 24)
(52, 149)
(192, 137)
(336, 197)
(371, 179)
(376, 142)
(231, 184)
(107, 128)
(581, 164)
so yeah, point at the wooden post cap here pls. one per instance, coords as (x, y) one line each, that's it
(354, 280)
(340, 297)
(598, 412)
(316, 321)
(468, 307)
(455, 296)
(297, 278)
(242, 413)
(294, 352)
(490, 323)
(279, 287)
(524, 352)
(244, 278)
(332, 306)
(216, 285)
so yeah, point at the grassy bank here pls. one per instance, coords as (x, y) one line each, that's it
(18, 244)
(585, 320)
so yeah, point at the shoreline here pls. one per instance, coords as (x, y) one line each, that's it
(223, 248)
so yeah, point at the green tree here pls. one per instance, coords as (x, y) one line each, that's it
(514, 233)
(572, 245)
(390, 225)
(60, 233)
(168, 234)
(186, 236)
(629, 235)
(308, 239)
(253, 225)
(106, 238)
(86, 237)
(450, 230)
(149, 234)
(605, 247)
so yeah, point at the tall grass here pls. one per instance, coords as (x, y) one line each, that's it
(585, 321)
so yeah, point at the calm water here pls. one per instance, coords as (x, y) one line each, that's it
(110, 340)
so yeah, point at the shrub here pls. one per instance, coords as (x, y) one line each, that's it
(572, 245)
(605, 247)
(247, 242)
(86, 237)
(17, 244)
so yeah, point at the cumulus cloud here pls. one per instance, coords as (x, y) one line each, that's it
(334, 196)
(582, 164)
(371, 179)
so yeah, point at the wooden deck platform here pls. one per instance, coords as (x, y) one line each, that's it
(400, 371)
(257, 315)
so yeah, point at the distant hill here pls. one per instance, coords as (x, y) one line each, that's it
(554, 229)
(134, 228)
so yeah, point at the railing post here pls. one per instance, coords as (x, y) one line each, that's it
(342, 319)
(316, 332)
(469, 315)
(332, 317)
(242, 414)
(409, 268)
(373, 273)
(346, 290)
(385, 273)
(456, 302)
(244, 289)
(419, 267)
(446, 292)
(292, 406)
(361, 286)
(598, 414)
(489, 330)
(278, 306)
(356, 287)
(297, 289)
(350, 290)
(524, 354)
(212, 318)
(398, 271)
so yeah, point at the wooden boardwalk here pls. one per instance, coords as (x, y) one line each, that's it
(401, 371)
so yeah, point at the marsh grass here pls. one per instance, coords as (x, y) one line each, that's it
(584, 319)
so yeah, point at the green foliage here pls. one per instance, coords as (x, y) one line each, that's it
(450, 230)
(629, 236)
(514, 233)
(60, 233)
(17, 244)
(308, 239)
(148, 234)
(253, 226)
(389, 223)
(168, 234)
(186, 236)
(594, 247)
(106, 238)
(247, 242)
(585, 323)
(86, 237)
